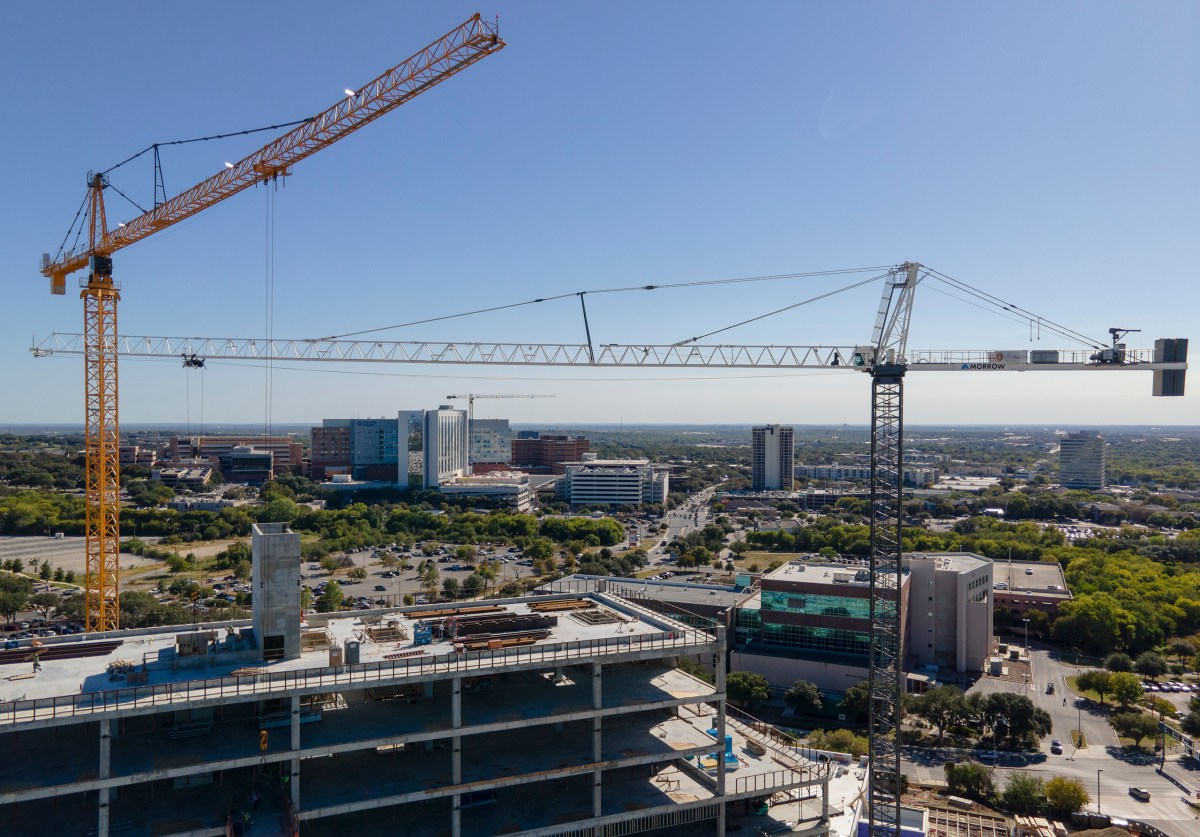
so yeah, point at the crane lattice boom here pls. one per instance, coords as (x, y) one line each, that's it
(453, 52)
(458, 49)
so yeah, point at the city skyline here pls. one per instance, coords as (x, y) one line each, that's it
(1058, 181)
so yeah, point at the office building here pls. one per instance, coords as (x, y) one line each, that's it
(191, 477)
(547, 454)
(918, 477)
(1081, 460)
(510, 487)
(949, 611)
(562, 714)
(811, 620)
(491, 445)
(331, 452)
(771, 456)
(363, 449)
(614, 482)
(249, 465)
(286, 453)
(444, 446)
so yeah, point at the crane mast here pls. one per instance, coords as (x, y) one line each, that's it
(458, 49)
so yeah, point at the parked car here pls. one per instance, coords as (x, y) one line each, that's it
(379, 588)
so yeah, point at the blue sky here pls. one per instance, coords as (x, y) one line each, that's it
(1045, 153)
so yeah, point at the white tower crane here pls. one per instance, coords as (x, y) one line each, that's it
(886, 359)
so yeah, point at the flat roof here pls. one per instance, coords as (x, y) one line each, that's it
(1030, 576)
(630, 628)
(719, 595)
(958, 562)
(819, 572)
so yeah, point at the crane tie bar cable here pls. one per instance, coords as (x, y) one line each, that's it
(671, 286)
(155, 145)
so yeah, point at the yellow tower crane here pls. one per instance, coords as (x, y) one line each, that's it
(458, 49)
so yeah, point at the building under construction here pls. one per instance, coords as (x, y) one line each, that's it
(560, 714)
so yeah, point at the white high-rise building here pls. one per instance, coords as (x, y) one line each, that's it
(772, 453)
(1081, 460)
(445, 446)
(491, 442)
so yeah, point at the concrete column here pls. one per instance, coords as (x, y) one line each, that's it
(597, 738)
(428, 692)
(105, 773)
(294, 764)
(825, 801)
(720, 725)
(456, 755)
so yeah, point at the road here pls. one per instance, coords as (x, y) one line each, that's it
(1118, 770)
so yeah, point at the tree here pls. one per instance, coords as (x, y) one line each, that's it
(1160, 706)
(305, 599)
(431, 579)
(969, 779)
(1151, 664)
(1066, 796)
(1126, 688)
(1119, 661)
(331, 599)
(450, 588)
(854, 702)
(242, 570)
(1016, 716)
(838, 741)
(1096, 680)
(466, 554)
(46, 572)
(941, 706)
(747, 689)
(804, 698)
(176, 564)
(1182, 649)
(357, 574)
(43, 603)
(330, 564)
(1025, 793)
(14, 594)
(1135, 725)
(472, 586)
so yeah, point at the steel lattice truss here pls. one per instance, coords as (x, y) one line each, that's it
(466, 352)
(885, 674)
(102, 484)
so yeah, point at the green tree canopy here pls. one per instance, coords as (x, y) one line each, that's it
(1126, 688)
(747, 689)
(1151, 664)
(804, 698)
(1066, 796)
(1025, 793)
(969, 779)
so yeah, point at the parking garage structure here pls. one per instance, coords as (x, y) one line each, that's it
(561, 714)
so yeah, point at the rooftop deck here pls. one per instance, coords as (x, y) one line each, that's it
(69, 688)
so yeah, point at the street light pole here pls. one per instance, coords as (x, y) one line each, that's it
(1098, 772)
